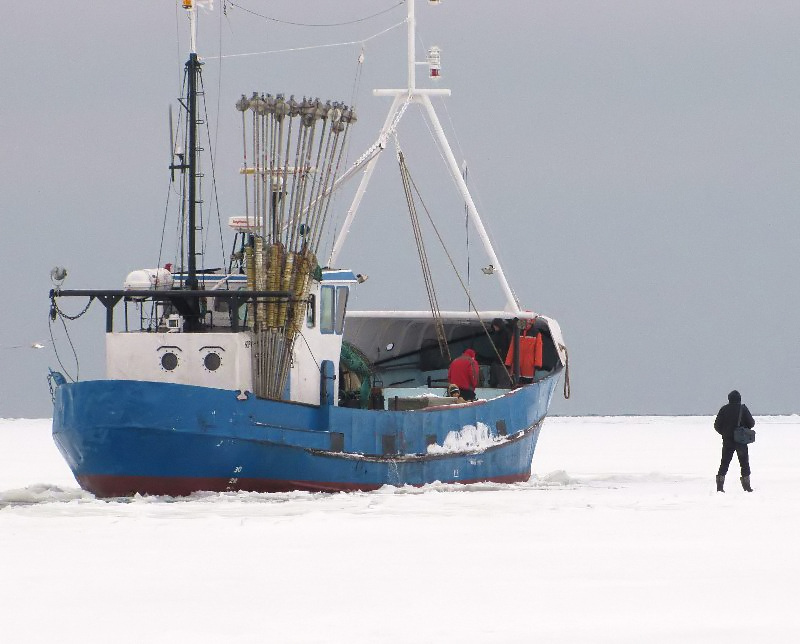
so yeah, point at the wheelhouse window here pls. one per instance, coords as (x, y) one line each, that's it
(332, 308)
(327, 304)
(341, 307)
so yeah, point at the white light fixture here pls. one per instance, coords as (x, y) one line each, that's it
(435, 63)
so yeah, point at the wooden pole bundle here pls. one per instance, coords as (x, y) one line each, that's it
(295, 151)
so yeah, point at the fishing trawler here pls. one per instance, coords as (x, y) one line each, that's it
(258, 377)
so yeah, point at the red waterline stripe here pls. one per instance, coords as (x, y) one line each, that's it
(105, 486)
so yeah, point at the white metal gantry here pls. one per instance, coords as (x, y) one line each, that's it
(402, 98)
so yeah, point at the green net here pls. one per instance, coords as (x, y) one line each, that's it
(357, 363)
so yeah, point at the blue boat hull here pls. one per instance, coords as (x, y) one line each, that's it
(124, 437)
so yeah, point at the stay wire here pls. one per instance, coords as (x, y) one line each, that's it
(460, 149)
(55, 311)
(55, 349)
(163, 235)
(310, 350)
(453, 266)
(475, 189)
(170, 188)
(213, 174)
(304, 24)
(178, 41)
(455, 183)
(219, 77)
(331, 235)
(427, 275)
(360, 41)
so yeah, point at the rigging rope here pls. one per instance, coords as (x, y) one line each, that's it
(453, 180)
(303, 24)
(308, 47)
(427, 276)
(346, 148)
(453, 266)
(567, 386)
(216, 132)
(213, 176)
(465, 175)
(58, 357)
(57, 313)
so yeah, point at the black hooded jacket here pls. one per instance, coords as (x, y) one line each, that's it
(727, 418)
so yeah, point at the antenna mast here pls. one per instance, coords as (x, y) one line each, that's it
(192, 321)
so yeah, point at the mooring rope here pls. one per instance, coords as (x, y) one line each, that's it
(567, 386)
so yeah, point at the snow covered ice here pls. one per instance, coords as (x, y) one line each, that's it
(618, 537)
(470, 438)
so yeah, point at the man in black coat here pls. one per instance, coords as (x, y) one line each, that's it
(726, 422)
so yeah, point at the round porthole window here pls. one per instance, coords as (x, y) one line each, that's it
(212, 361)
(169, 361)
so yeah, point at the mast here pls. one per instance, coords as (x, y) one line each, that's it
(192, 72)
(192, 321)
(412, 94)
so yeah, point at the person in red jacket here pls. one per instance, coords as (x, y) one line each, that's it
(463, 373)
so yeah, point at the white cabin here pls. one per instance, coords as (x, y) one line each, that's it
(222, 358)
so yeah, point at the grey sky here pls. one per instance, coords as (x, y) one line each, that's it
(636, 163)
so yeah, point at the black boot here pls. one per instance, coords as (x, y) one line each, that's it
(746, 484)
(720, 482)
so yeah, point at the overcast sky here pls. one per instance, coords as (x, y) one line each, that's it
(635, 162)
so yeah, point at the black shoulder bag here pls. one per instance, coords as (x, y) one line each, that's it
(742, 434)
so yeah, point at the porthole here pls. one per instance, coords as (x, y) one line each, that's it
(212, 361)
(169, 361)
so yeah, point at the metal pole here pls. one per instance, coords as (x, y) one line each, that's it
(362, 187)
(192, 67)
(515, 342)
(411, 46)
